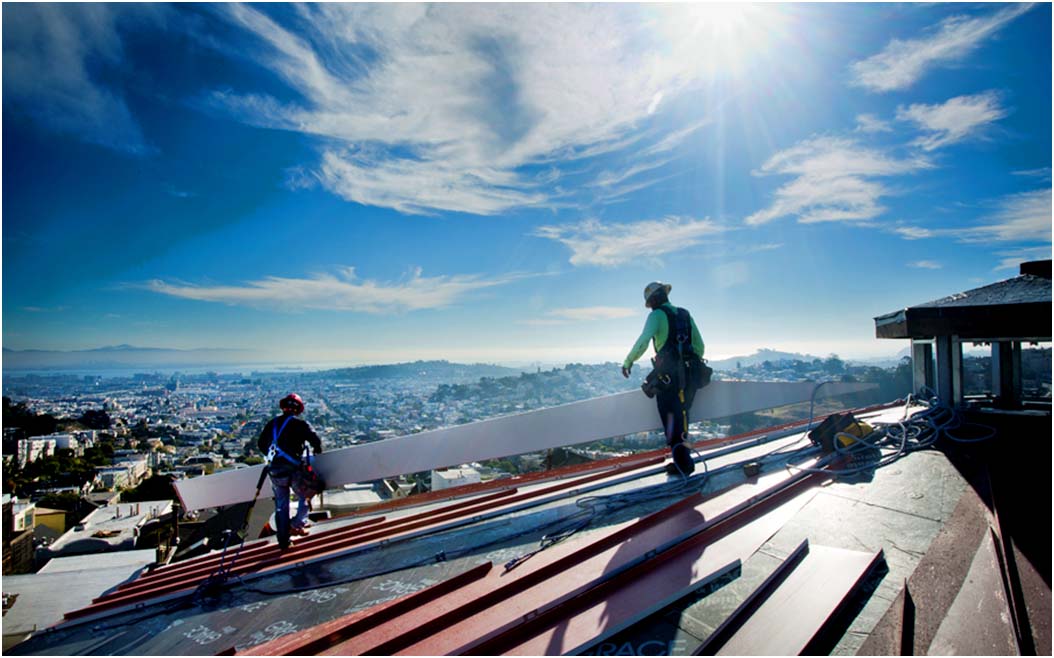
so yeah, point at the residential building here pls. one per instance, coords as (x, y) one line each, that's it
(36, 601)
(30, 450)
(17, 544)
(115, 527)
(454, 477)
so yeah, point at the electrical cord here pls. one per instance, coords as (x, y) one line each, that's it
(590, 508)
(891, 441)
(597, 506)
(565, 527)
(808, 425)
(593, 507)
(921, 430)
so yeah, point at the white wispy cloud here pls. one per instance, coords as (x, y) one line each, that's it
(914, 232)
(674, 139)
(904, 61)
(368, 177)
(342, 291)
(926, 265)
(655, 100)
(589, 313)
(1021, 217)
(443, 107)
(562, 316)
(608, 245)
(953, 120)
(55, 57)
(620, 192)
(869, 123)
(768, 246)
(1041, 172)
(1011, 260)
(834, 181)
(45, 309)
(611, 179)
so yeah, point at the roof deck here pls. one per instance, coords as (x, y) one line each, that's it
(647, 564)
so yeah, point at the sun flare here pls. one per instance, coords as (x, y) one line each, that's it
(723, 36)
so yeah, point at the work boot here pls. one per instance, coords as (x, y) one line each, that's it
(682, 457)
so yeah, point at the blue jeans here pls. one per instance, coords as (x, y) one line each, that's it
(280, 483)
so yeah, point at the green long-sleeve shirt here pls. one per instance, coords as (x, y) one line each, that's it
(657, 328)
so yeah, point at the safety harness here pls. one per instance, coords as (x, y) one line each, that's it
(276, 431)
(676, 351)
(679, 339)
(214, 585)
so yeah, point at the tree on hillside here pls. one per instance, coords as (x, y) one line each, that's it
(95, 419)
(66, 501)
(157, 487)
(833, 365)
(18, 415)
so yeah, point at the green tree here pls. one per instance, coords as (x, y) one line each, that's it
(834, 365)
(95, 419)
(18, 415)
(157, 487)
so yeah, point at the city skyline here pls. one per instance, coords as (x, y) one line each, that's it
(497, 183)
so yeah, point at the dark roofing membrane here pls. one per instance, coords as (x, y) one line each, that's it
(898, 509)
(1015, 308)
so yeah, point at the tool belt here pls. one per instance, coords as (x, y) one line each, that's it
(671, 371)
(307, 483)
(677, 366)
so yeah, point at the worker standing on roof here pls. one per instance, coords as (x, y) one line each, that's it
(283, 440)
(678, 369)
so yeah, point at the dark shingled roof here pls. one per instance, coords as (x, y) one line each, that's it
(1022, 289)
(1016, 308)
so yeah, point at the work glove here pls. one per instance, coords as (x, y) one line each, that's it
(625, 371)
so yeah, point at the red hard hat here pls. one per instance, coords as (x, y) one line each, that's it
(293, 403)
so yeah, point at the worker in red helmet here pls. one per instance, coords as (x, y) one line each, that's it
(283, 440)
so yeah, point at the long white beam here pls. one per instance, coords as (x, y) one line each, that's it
(569, 424)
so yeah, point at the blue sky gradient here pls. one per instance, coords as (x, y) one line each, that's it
(373, 183)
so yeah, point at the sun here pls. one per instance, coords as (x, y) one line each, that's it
(720, 18)
(722, 36)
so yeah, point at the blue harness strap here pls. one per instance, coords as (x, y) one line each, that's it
(276, 432)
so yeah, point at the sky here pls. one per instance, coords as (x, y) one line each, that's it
(364, 183)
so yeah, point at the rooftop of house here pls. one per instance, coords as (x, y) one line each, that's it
(1022, 289)
(361, 495)
(103, 497)
(1014, 308)
(63, 583)
(456, 473)
(109, 527)
(644, 563)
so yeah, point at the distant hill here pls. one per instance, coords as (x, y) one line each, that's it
(758, 358)
(882, 362)
(443, 371)
(120, 356)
